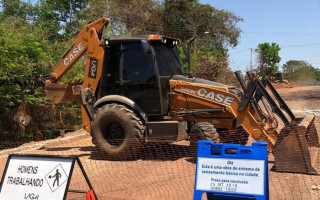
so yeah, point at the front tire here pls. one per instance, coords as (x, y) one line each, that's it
(117, 132)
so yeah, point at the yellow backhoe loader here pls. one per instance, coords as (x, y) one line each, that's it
(135, 91)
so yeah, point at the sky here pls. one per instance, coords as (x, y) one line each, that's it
(293, 24)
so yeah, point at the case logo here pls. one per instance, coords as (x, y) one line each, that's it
(202, 92)
(73, 54)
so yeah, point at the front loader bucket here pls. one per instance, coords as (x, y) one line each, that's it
(297, 148)
(59, 92)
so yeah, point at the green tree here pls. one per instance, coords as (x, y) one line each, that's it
(215, 31)
(268, 58)
(318, 76)
(95, 10)
(301, 72)
(47, 22)
(63, 12)
(16, 8)
(187, 18)
(23, 58)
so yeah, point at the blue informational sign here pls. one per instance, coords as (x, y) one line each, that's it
(232, 171)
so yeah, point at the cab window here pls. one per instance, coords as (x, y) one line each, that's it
(138, 67)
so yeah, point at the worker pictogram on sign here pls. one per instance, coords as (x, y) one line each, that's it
(56, 177)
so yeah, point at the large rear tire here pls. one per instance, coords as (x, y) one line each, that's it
(117, 132)
(202, 131)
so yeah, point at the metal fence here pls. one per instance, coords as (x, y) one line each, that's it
(159, 171)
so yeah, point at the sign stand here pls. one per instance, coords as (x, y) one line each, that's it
(87, 180)
(39, 177)
(232, 171)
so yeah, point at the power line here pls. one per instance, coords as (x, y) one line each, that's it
(300, 45)
(283, 33)
(285, 46)
(241, 51)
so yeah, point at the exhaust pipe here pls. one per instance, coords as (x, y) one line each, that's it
(190, 56)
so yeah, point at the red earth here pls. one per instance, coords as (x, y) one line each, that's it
(166, 171)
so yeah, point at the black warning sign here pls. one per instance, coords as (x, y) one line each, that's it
(56, 177)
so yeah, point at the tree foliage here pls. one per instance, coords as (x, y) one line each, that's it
(23, 58)
(215, 31)
(65, 13)
(268, 58)
(301, 72)
(16, 8)
(187, 18)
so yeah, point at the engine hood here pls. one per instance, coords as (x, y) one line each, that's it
(231, 89)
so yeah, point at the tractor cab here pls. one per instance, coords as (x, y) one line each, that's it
(140, 68)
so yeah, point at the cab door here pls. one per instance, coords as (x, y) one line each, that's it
(138, 78)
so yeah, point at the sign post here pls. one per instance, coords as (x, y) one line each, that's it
(41, 177)
(232, 171)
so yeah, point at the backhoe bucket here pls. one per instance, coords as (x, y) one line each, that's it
(59, 92)
(297, 147)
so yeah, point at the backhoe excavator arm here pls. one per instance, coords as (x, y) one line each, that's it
(90, 40)
(90, 33)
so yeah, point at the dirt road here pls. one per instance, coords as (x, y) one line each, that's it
(166, 171)
(303, 101)
(301, 98)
